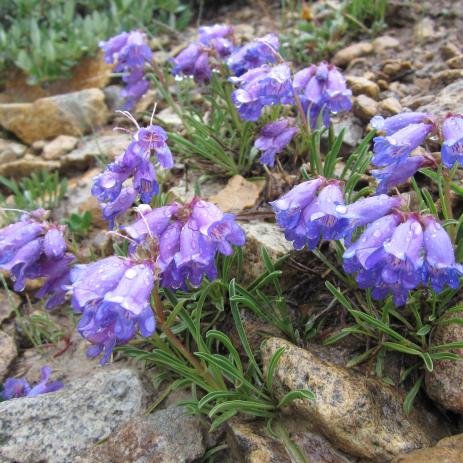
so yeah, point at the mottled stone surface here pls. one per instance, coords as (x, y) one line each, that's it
(8, 353)
(449, 99)
(59, 146)
(167, 436)
(359, 415)
(365, 108)
(56, 427)
(73, 113)
(447, 450)
(445, 383)
(363, 86)
(250, 442)
(25, 167)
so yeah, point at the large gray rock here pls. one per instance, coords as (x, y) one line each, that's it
(444, 384)
(167, 436)
(56, 427)
(360, 415)
(73, 113)
(449, 99)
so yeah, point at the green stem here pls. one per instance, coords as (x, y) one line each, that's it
(447, 176)
(231, 107)
(175, 342)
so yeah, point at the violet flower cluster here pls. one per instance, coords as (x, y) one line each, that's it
(315, 210)
(396, 253)
(34, 248)
(135, 163)
(173, 245)
(129, 52)
(322, 91)
(400, 251)
(195, 60)
(404, 133)
(15, 388)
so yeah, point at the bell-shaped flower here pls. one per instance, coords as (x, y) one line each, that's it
(397, 147)
(392, 124)
(254, 54)
(153, 140)
(120, 205)
(54, 244)
(452, 148)
(193, 61)
(398, 172)
(440, 268)
(274, 138)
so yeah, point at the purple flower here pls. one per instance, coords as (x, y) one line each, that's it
(371, 240)
(398, 172)
(306, 217)
(322, 90)
(395, 123)
(397, 146)
(193, 61)
(114, 296)
(260, 87)
(54, 243)
(440, 268)
(452, 148)
(148, 143)
(215, 37)
(367, 210)
(16, 388)
(130, 52)
(274, 138)
(120, 205)
(396, 267)
(254, 54)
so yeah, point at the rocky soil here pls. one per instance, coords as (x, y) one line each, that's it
(415, 63)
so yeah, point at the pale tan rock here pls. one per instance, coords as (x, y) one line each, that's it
(25, 167)
(449, 50)
(425, 30)
(365, 107)
(446, 77)
(346, 55)
(396, 68)
(69, 114)
(447, 450)
(385, 43)
(10, 150)
(170, 119)
(390, 106)
(359, 415)
(8, 353)
(449, 99)
(239, 194)
(444, 384)
(362, 86)
(59, 146)
(455, 63)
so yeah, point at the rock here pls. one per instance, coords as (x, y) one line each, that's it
(250, 442)
(385, 43)
(456, 62)
(447, 450)
(449, 99)
(449, 50)
(38, 146)
(425, 30)
(238, 194)
(390, 106)
(360, 415)
(446, 77)
(56, 427)
(362, 86)
(396, 69)
(8, 353)
(259, 234)
(9, 302)
(444, 384)
(25, 167)
(107, 145)
(346, 55)
(113, 99)
(59, 146)
(353, 131)
(10, 150)
(167, 436)
(184, 189)
(169, 118)
(68, 114)
(365, 107)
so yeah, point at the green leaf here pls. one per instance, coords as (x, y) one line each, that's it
(272, 365)
(295, 395)
(411, 395)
